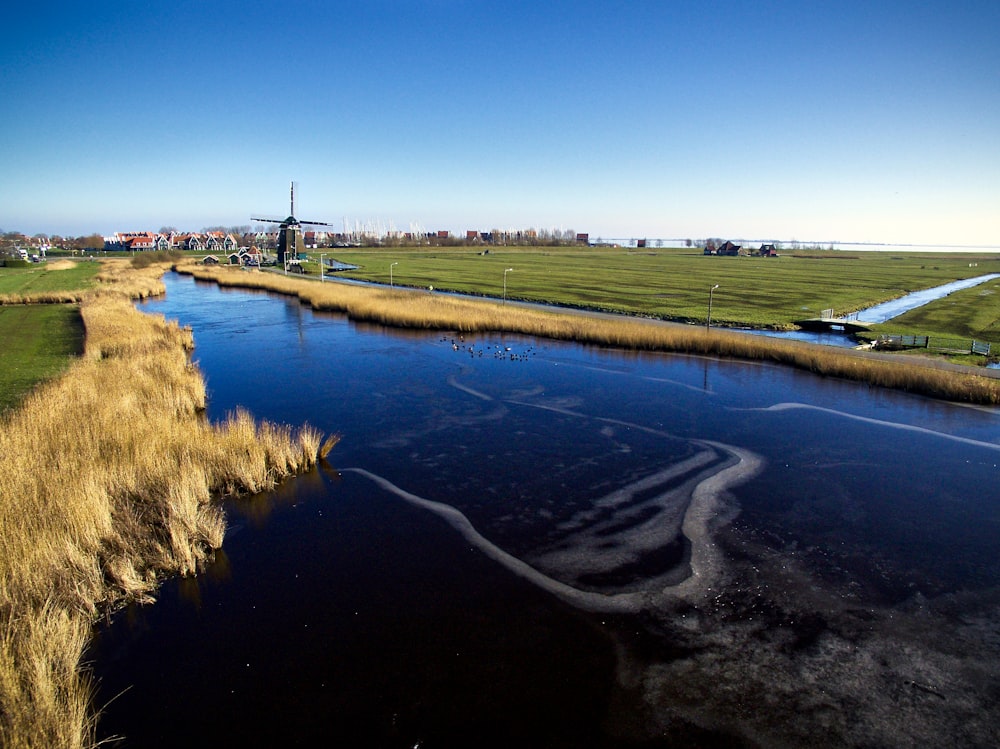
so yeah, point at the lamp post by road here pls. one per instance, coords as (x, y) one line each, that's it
(321, 256)
(390, 273)
(708, 322)
(506, 271)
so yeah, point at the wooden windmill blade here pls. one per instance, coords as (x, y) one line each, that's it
(290, 233)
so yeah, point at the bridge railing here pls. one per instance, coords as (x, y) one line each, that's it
(830, 314)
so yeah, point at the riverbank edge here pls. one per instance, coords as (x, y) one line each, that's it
(110, 485)
(404, 308)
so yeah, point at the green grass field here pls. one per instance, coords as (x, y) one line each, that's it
(45, 277)
(38, 342)
(674, 284)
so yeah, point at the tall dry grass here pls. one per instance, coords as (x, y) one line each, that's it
(43, 297)
(107, 487)
(437, 311)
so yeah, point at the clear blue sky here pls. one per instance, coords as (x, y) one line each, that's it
(852, 121)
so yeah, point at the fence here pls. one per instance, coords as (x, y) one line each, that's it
(978, 347)
(937, 343)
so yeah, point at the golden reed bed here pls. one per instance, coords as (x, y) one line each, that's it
(107, 487)
(409, 309)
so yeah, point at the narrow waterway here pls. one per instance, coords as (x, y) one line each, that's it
(527, 543)
(896, 307)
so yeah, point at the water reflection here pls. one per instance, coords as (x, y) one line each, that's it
(603, 548)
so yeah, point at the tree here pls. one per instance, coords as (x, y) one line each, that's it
(90, 242)
(234, 230)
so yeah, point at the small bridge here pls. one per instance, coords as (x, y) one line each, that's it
(828, 321)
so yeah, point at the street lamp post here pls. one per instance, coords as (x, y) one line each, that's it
(506, 271)
(390, 273)
(708, 322)
(321, 256)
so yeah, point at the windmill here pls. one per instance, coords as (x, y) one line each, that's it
(290, 234)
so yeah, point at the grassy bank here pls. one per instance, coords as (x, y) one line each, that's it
(40, 324)
(39, 342)
(57, 281)
(108, 480)
(434, 311)
(970, 313)
(674, 284)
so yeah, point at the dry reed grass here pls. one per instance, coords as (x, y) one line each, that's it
(60, 265)
(107, 488)
(44, 297)
(437, 311)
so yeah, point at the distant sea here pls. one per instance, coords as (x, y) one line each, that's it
(869, 246)
(655, 243)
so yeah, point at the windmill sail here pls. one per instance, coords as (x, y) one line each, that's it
(290, 243)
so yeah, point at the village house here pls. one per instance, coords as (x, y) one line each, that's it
(190, 242)
(315, 239)
(140, 244)
(253, 257)
(260, 239)
(131, 241)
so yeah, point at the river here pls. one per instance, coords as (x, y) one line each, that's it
(528, 543)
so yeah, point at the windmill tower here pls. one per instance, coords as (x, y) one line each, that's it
(290, 242)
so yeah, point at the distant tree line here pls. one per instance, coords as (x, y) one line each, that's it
(11, 239)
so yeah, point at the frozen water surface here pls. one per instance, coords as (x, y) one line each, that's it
(525, 543)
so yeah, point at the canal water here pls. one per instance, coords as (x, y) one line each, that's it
(527, 543)
(880, 313)
(895, 307)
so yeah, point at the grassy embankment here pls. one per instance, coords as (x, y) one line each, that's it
(40, 326)
(970, 313)
(54, 282)
(109, 473)
(38, 343)
(404, 308)
(674, 284)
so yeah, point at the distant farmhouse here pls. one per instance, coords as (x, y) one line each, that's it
(734, 250)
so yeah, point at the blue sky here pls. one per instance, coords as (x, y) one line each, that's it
(851, 121)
